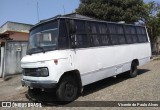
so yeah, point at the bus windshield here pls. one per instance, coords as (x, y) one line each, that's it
(43, 40)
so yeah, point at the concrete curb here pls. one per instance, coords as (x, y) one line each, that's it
(155, 57)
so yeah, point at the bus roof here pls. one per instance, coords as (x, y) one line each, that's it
(78, 17)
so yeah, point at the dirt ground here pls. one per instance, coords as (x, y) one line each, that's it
(145, 87)
(11, 88)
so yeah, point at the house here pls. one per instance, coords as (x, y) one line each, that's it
(14, 31)
(13, 45)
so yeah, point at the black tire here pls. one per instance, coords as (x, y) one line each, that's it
(67, 89)
(133, 71)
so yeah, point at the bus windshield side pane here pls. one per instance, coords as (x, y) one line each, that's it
(43, 38)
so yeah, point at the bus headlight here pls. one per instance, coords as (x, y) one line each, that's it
(43, 72)
(36, 72)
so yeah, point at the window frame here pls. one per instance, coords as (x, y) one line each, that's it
(67, 34)
(107, 34)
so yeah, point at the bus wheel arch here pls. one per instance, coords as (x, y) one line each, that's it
(75, 79)
(135, 61)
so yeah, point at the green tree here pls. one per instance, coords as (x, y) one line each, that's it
(152, 19)
(129, 11)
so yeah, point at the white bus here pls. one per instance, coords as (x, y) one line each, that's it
(68, 53)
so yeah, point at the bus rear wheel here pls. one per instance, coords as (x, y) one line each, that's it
(133, 71)
(67, 89)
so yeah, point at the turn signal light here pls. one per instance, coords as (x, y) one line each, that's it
(56, 61)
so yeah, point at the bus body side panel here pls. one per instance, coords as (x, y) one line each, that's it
(97, 63)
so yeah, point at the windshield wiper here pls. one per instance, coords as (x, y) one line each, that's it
(41, 49)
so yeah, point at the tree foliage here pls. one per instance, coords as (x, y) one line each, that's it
(129, 11)
(152, 19)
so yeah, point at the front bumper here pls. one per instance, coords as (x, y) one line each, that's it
(39, 84)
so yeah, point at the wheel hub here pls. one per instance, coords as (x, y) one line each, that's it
(69, 90)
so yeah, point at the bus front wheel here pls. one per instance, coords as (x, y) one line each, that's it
(67, 89)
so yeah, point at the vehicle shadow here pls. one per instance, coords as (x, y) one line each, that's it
(142, 71)
(109, 82)
(49, 98)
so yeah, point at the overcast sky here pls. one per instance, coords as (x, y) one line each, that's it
(25, 11)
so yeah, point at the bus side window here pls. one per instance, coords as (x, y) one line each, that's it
(130, 33)
(120, 33)
(96, 40)
(63, 41)
(103, 34)
(93, 35)
(81, 41)
(80, 36)
(121, 39)
(129, 38)
(114, 39)
(92, 27)
(80, 27)
(103, 28)
(142, 36)
(105, 40)
(112, 31)
(116, 34)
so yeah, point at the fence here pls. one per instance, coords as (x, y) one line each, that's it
(11, 56)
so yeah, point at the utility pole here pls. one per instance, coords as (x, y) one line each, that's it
(64, 10)
(37, 11)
